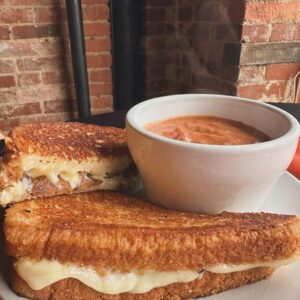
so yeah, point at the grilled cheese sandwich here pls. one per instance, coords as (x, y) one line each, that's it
(68, 156)
(91, 241)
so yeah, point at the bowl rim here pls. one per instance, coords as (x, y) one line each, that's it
(286, 138)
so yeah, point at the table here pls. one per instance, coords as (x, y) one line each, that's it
(117, 118)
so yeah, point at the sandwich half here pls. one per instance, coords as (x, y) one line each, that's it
(47, 159)
(104, 245)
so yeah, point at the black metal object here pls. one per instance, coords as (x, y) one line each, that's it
(78, 57)
(114, 119)
(127, 26)
(2, 145)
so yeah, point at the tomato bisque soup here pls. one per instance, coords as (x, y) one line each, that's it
(207, 130)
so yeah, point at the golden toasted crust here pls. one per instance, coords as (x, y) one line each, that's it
(109, 230)
(67, 140)
(59, 141)
(209, 284)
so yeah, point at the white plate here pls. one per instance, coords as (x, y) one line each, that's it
(283, 284)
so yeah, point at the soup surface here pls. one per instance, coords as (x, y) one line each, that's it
(207, 130)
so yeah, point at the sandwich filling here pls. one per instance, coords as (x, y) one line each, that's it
(100, 172)
(43, 273)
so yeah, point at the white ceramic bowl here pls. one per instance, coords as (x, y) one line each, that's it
(210, 178)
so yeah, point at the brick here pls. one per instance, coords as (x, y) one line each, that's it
(197, 31)
(205, 83)
(7, 81)
(255, 33)
(53, 117)
(32, 31)
(160, 58)
(15, 48)
(7, 66)
(97, 29)
(55, 77)
(98, 44)
(49, 14)
(8, 96)
(202, 9)
(158, 85)
(282, 32)
(96, 12)
(15, 110)
(59, 106)
(297, 32)
(212, 52)
(226, 32)
(159, 29)
(251, 74)
(223, 71)
(98, 89)
(103, 103)
(159, 14)
(33, 2)
(104, 75)
(282, 71)
(251, 91)
(234, 13)
(266, 91)
(37, 64)
(45, 92)
(4, 33)
(8, 122)
(155, 44)
(28, 79)
(47, 47)
(185, 13)
(155, 71)
(99, 60)
(11, 15)
(271, 11)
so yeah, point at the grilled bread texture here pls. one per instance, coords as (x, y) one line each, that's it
(47, 159)
(108, 230)
(67, 140)
(210, 283)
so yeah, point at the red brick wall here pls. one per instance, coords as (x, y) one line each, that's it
(183, 46)
(189, 46)
(35, 68)
(270, 22)
(203, 30)
(159, 48)
(207, 46)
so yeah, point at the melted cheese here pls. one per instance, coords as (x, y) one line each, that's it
(70, 171)
(224, 268)
(43, 273)
(15, 192)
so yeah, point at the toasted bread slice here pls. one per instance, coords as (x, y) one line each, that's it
(109, 233)
(48, 159)
(210, 283)
(108, 229)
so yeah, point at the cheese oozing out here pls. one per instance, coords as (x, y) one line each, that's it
(33, 166)
(45, 272)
